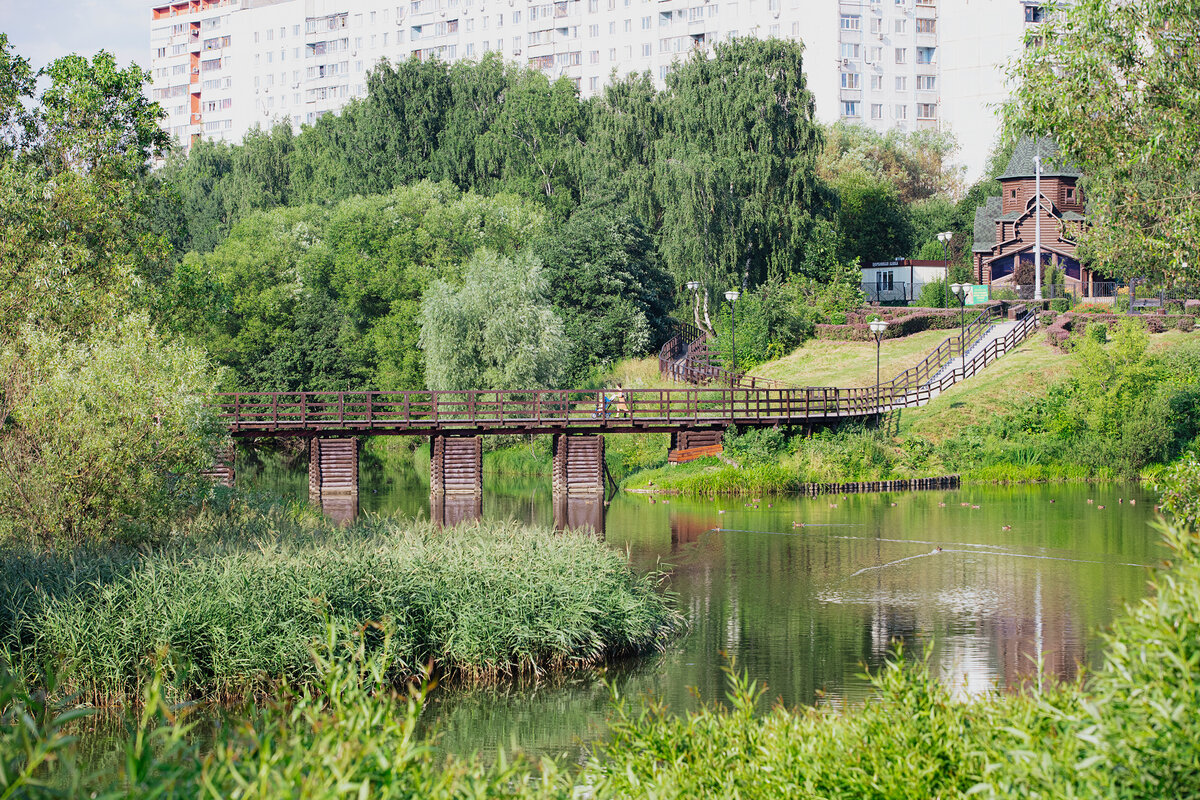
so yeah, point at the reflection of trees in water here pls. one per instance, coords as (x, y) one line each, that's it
(513, 715)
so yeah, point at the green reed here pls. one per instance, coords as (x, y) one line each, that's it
(236, 607)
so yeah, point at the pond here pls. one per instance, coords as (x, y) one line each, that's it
(804, 593)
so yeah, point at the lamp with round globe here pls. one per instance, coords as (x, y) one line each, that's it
(877, 327)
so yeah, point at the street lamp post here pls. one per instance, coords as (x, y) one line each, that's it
(960, 292)
(877, 327)
(1037, 226)
(732, 295)
(944, 237)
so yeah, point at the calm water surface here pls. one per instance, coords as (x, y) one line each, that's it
(804, 609)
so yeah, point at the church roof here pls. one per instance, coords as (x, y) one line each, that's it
(985, 225)
(1021, 163)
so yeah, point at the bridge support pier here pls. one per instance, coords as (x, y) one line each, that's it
(221, 472)
(455, 466)
(332, 471)
(578, 467)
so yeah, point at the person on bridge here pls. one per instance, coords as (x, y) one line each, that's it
(622, 403)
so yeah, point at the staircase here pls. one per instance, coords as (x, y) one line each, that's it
(998, 331)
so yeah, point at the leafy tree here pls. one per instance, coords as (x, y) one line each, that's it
(497, 331)
(1116, 85)
(477, 93)
(532, 146)
(604, 282)
(73, 232)
(343, 281)
(625, 124)
(735, 167)
(872, 222)
(190, 206)
(102, 437)
(916, 163)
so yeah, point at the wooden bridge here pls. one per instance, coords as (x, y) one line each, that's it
(695, 415)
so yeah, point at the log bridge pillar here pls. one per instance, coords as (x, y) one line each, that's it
(221, 472)
(578, 467)
(455, 466)
(332, 470)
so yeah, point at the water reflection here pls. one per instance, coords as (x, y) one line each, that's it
(586, 513)
(804, 592)
(455, 509)
(342, 509)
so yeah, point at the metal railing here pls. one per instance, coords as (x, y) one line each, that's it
(896, 293)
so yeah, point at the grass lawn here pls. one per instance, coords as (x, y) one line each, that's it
(819, 362)
(1022, 374)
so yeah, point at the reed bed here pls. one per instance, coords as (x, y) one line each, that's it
(233, 612)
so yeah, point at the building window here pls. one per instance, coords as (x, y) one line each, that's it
(593, 84)
(877, 111)
(877, 83)
(874, 55)
(850, 108)
(1034, 13)
(851, 80)
(901, 26)
(926, 83)
(901, 83)
(645, 50)
(926, 110)
(876, 25)
(926, 25)
(851, 22)
(901, 111)
(901, 55)
(849, 49)
(1013, 194)
(925, 55)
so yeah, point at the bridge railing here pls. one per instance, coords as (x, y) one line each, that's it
(423, 411)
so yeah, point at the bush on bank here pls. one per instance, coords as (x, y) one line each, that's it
(238, 608)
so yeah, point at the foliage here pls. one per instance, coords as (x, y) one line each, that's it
(1115, 84)
(104, 438)
(326, 298)
(936, 294)
(872, 221)
(771, 321)
(754, 446)
(497, 331)
(238, 595)
(606, 286)
(917, 164)
(734, 168)
(73, 244)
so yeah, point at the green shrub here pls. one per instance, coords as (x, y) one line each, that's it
(1061, 304)
(754, 445)
(837, 318)
(1098, 332)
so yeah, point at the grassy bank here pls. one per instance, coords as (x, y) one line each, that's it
(1127, 731)
(238, 599)
(1120, 409)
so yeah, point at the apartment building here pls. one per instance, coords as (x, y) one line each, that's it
(221, 67)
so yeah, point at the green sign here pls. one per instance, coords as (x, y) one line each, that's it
(978, 294)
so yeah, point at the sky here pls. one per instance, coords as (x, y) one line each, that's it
(43, 30)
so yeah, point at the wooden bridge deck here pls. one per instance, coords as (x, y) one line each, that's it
(427, 413)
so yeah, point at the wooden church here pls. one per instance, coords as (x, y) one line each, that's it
(1004, 226)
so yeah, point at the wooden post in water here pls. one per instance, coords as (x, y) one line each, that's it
(455, 466)
(332, 470)
(578, 466)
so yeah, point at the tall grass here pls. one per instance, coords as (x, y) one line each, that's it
(239, 609)
(709, 476)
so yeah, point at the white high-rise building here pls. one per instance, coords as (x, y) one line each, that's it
(221, 67)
